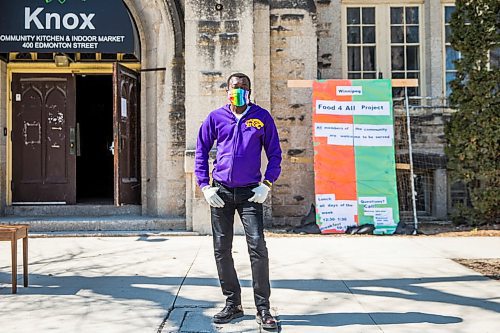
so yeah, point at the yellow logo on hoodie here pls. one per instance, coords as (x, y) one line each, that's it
(254, 123)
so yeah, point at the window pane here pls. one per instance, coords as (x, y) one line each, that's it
(398, 75)
(412, 34)
(353, 16)
(397, 58)
(412, 75)
(448, 10)
(447, 34)
(451, 56)
(449, 77)
(397, 92)
(411, 15)
(396, 15)
(369, 58)
(412, 58)
(353, 35)
(369, 15)
(369, 76)
(413, 91)
(368, 34)
(354, 76)
(494, 58)
(354, 58)
(397, 35)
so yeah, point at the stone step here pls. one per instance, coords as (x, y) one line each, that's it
(138, 233)
(72, 210)
(96, 224)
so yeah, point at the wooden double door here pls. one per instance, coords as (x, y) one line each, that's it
(45, 138)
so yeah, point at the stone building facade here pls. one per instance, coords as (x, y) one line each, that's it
(308, 40)
(189, 48)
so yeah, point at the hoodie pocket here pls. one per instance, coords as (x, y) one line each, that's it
(223, 167)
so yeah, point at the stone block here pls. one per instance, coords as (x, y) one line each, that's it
(276, 199)
(202, 221)
(285, 221)
(281, 187)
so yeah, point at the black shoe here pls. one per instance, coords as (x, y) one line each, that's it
(229, 313)
(266, 319)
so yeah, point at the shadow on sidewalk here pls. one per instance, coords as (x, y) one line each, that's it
(372, 318)
(404, 288)
(152, 289)
(102, 289)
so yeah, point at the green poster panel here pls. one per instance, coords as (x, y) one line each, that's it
(375, 157)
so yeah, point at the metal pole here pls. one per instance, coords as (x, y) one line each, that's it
(413, 192)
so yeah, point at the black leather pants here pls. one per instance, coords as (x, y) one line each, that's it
(251, 215)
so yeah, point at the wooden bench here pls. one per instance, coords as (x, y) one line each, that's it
(12, 233)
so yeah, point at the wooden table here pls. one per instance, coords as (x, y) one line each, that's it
(12, 233)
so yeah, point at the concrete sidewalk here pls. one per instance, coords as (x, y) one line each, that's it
(319, 284)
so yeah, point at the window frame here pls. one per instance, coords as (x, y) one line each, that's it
(444, 46)
(406, 45)
(383, 37)
(361, 44)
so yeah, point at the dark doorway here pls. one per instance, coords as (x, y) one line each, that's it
(94, 117)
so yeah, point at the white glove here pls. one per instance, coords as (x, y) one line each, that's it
(261, 192)
(212, 197)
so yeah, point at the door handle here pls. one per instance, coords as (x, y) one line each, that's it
(112, 148)
(78, 150)
(72, 141)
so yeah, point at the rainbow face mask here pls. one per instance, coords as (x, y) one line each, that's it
(238, 96)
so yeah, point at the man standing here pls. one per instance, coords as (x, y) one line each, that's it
(241, 129)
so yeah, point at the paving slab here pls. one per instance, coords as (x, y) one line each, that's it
(95, 284)
(319, 284)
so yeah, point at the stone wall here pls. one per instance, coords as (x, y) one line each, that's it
(162, 105)
(261, 90)
(329, 32)
(433, 49)
(429, 160)
(427, 128)
(293, 56)
(219, 41)
(3, 138)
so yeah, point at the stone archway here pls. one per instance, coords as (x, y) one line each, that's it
(160, 28)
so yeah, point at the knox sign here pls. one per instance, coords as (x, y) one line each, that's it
(66, 26)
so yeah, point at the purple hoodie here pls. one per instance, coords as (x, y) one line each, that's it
(239, 146)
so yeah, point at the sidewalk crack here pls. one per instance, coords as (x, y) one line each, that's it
(172, 307)
(361, 304)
